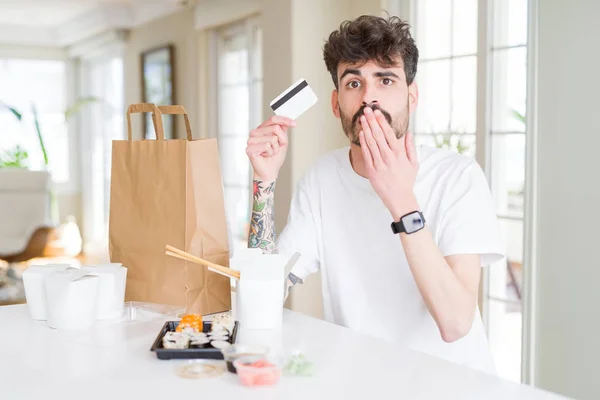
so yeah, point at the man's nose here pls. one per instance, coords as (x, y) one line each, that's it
(369, 96)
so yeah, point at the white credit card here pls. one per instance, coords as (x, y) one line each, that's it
(295, 100)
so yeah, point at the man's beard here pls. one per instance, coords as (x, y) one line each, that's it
(352, 126)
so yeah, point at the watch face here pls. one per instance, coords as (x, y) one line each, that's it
(413, 222)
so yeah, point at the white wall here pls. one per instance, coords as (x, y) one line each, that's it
(177, 29)
(568, 295)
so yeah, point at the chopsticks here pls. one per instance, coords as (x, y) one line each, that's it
(219, 269)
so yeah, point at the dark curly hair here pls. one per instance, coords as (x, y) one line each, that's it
(372, 38)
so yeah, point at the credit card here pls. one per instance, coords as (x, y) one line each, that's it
(295, 100)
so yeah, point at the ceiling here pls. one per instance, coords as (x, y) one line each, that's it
(44, 13)
(54, 22)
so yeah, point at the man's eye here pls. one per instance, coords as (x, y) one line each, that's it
(353, 84)
(387, 81)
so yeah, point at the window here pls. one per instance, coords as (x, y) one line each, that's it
(102, 122)
(448, 36)
(239, 92)
(39, 84)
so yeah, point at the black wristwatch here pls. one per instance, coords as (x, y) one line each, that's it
(409, 223)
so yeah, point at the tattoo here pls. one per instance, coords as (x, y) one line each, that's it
(262, 224)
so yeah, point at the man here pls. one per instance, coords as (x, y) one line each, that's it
(417, 283)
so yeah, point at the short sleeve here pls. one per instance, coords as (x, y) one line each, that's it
(300, 233)
(468, 221)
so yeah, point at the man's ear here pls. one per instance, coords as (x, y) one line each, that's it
(413, 97)
(334, 103)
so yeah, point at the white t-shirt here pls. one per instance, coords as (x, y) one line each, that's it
(342, 228)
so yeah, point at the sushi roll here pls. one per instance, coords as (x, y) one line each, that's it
(176, 340)
(199, 342)
(220, 338)
(197, 336)
(220, 344)
(223, 321)
(190, 323)
(220, 332)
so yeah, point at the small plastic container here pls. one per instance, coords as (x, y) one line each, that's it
(257, 371)
(239, 350)
(198, 369)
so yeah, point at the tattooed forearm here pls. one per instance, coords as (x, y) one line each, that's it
(262, 223)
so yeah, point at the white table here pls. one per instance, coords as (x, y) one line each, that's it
(113, 361)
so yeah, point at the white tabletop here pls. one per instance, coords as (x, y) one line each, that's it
(113, 360)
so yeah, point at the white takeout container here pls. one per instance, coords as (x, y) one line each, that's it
(260, 289)
(73, 298)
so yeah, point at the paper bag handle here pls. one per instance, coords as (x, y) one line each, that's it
(145, 108)
(178, 110)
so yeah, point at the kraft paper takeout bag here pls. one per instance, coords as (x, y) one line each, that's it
(169, 192)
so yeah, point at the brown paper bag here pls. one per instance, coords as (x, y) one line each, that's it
(169, 192)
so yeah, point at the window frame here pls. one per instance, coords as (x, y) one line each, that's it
(247, 26)
(484, 136)
(72, 186)
(96, 248)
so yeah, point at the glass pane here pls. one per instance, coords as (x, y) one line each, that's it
(510, 22)
(505, 338)
(506, 276)
(508, 174)
(233, 59)
(58, 147)
(235, 165)
(462, 144)
(39, 83)
(234, 110)
(257, 69)
(509, 90)
(433, 112)
(424, 140)
(433, 28)
(464, 95)
(257, 104)
(237, 208)
(464, 27)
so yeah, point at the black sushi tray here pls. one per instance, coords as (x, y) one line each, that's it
(207, 352)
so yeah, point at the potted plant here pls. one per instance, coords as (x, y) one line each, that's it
(17, 158)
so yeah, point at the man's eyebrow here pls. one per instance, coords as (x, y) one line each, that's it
(383, 74)
(350, 71)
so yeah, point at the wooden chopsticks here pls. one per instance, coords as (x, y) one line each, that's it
(175, 252)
